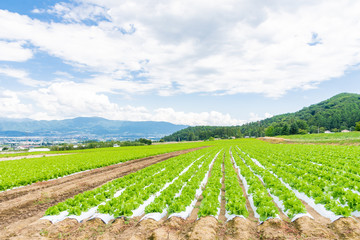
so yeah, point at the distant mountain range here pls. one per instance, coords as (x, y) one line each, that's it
(92, 127)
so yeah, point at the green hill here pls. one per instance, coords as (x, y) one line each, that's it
(337, 113)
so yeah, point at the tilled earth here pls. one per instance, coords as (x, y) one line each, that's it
(22, 208)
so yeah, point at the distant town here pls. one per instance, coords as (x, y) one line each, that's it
(37, 143)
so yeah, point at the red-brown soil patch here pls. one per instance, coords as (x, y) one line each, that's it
(205, 229)
(346, 228)
(273, 140)
(241, 229)
(277, 229)
(312, 229)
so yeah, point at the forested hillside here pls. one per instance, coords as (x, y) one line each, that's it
(335, 114)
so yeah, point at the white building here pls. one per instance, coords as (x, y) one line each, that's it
(39, 150)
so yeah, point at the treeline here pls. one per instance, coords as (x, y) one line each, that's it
(100, 144)
(203, 133)
(207, 132)
(335, 114)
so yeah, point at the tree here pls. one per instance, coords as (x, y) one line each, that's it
(191, 136)
(269, 131)
(277, 130)
(313, 129)
(357, 126)
(302, 125)
(285, 129)
(294, 129)
(145, 141)
(302, 131)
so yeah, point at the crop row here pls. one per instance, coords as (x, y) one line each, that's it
(274, 179)
(235, 199)
(133, 194)
(22, 172)
(285, 198)
(258, 196)
(331, 187)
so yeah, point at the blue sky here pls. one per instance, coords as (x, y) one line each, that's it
(186, 62)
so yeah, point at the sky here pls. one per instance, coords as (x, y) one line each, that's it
(186, 62)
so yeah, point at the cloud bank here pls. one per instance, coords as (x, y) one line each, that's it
(185, 47)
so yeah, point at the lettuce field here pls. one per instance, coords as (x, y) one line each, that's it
(239, 189)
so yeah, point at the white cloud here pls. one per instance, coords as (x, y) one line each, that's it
(68, 99)
(64, 74)
(37, 11)
(179, 47)
(212, 118)
(14, 51)
(225, 47)
(268, 115)
(78, 12)
(22, 77)
(256, 117)
(11, 106)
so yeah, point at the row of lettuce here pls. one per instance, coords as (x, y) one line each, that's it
(260, 178)
(173, 187)
(168, 186)
(21, 172)
(322, 175)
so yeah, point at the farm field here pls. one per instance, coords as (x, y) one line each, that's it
(21, 172)
(240, 189)
(350, 138)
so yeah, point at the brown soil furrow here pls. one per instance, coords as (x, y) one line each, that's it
(205, 229)
(241, 229)
(30, 200)
(346, 228)
(317, 228)
(277, 229)
(7, 195)
(317, 217)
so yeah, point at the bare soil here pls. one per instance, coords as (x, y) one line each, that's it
(205, 228)
(176, 228)
(274, 139)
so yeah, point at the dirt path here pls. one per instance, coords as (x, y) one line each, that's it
(30, 201)
(33, 156)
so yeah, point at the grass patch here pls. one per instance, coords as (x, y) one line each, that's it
(338, 138)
